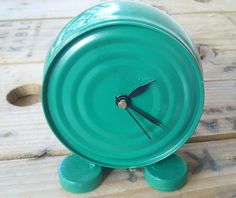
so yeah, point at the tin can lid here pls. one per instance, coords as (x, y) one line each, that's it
(78, 175)
(169, 174)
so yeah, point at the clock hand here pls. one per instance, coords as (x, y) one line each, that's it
(139, 90)
(138, 124)
(122, 103)
(145, 115)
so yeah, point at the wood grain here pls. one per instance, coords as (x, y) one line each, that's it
(28, 42)
(212, 174)
(26, 9)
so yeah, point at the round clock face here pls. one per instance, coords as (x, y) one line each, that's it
(124, 96)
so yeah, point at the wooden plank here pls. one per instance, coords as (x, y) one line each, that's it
(24, 132)
(29, 41)
(218, 64)
(205, 29)
(26, 9)
(211, 164)
(194, 6)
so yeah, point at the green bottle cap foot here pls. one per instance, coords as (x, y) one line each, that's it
(169, 174)
(78, 175)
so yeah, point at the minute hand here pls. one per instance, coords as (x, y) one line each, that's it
(147, 116)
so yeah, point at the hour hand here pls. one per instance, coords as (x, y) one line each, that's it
(139, 90)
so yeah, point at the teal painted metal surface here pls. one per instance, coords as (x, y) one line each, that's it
(105, 52)
(78, 175)
(168, 175)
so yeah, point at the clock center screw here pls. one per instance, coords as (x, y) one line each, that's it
(122, 102)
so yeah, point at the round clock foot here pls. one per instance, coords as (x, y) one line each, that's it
(78, 175)
(169, 174)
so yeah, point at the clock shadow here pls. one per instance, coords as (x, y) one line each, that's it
(106, 172)
(132, 173)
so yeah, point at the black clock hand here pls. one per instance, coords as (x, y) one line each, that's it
(138, 124)
(145, 115)
(139, 90)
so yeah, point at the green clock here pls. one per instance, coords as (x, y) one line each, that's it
(122, 88)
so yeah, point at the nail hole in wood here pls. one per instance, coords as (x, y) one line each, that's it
(25, 95)
(206, 53)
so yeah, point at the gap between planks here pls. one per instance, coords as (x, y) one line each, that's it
(71, 17)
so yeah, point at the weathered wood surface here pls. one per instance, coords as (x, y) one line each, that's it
(28, 40)
(212, 173)
(27, 29)
(27, 9)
